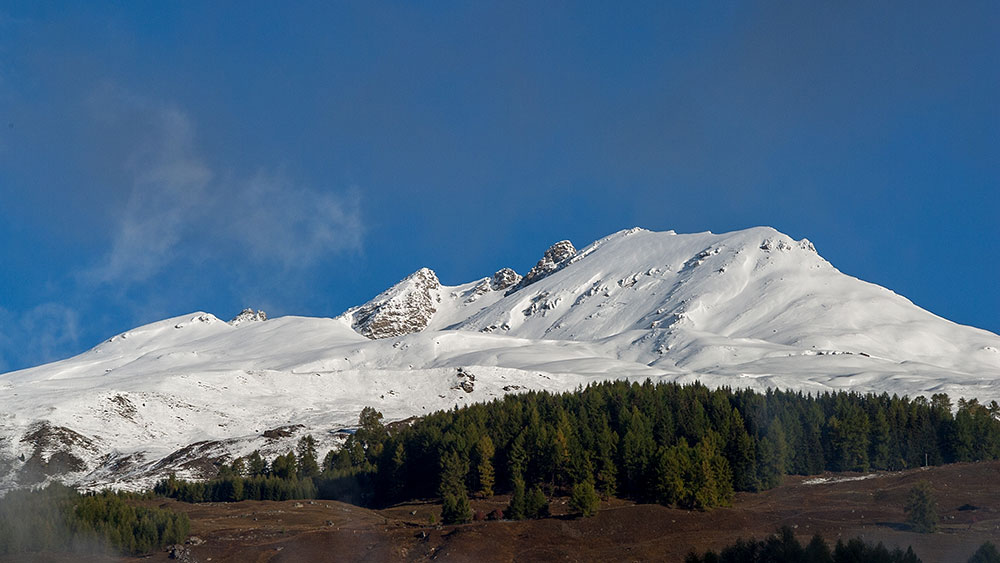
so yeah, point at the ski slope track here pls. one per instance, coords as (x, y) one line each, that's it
(751, 308)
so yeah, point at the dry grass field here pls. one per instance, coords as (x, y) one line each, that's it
(841, 506)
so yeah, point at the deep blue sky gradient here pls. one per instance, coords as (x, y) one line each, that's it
(160, 158)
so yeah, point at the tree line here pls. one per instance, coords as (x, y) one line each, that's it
(783, 547)
(679, 445)
(57, 518)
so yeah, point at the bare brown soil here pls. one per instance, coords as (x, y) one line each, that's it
(870, 508)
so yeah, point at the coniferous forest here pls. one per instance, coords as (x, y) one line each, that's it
(782, 547)
(687, 446)
(58, 518)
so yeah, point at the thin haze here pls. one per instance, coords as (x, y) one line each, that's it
(161, 159)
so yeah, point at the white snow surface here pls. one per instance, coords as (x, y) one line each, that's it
(751, 308)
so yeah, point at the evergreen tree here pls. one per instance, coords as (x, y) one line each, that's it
(369, 437)
(636, 448)
(256, 465)
(880, 441)
(772, 451)
(517, 457)
(669, 476)
(562, 440)
(849, 436)
(921, 508)
(284, 466)
(584, 499)
(817, 551)
(536, 505)
(964, 440)
(704, 483)
(607, 471)
(456, 509)
(484, 466)
(987, 553)
(239, 467)
(740, 451)
(396, 472)
(812, 421)
(307, 465)
(329, 460)
(517, 509)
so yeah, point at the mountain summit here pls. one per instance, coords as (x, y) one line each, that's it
(751, 308)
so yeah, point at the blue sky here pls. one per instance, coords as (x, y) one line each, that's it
(160, 158)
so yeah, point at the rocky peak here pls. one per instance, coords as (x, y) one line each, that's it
(784, 244)
(555, 258)
(405, 308)
(248, 315)
(504, 278)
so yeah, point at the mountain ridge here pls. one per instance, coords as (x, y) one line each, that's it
(751, 308)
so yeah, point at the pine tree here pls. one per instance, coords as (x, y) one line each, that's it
(705, 483)
(607, 471)
(517, 457)
(741, 451)
(921, 508)
(239, 467)
(772, 456)
(307, 465)
(256, 465)
(455, 500)
(849, 434)
(880, 441)
(536, 505)
(562, 438)
(818, 551)
(369, 437)
(516, 510)
(455, 509)
(284, 466)
(396, 473)
(987, 553)
(484, 466)
(670, 486)
(584, 499)
(636, 448)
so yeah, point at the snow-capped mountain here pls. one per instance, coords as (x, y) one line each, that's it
(752, 308)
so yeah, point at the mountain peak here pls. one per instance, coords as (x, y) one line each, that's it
(504, 278)
(555, 258)
(750, 308)
(404, 308)
(248, 315)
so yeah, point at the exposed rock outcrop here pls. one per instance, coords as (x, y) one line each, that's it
(405, 308)
(55, 451)
(504, 278)
(555, 258)
(248, 315)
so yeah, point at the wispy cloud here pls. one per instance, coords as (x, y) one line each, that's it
(179, 206)
(38, 335)
(169, 187)
(290, 224)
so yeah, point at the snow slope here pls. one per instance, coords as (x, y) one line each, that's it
(750, 308)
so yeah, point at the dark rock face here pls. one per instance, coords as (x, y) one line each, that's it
(248, 315)
(556, 257)
(54, 450)
(405, 308)
(503, 279)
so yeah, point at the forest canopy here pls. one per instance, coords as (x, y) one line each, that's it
(679, 445)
